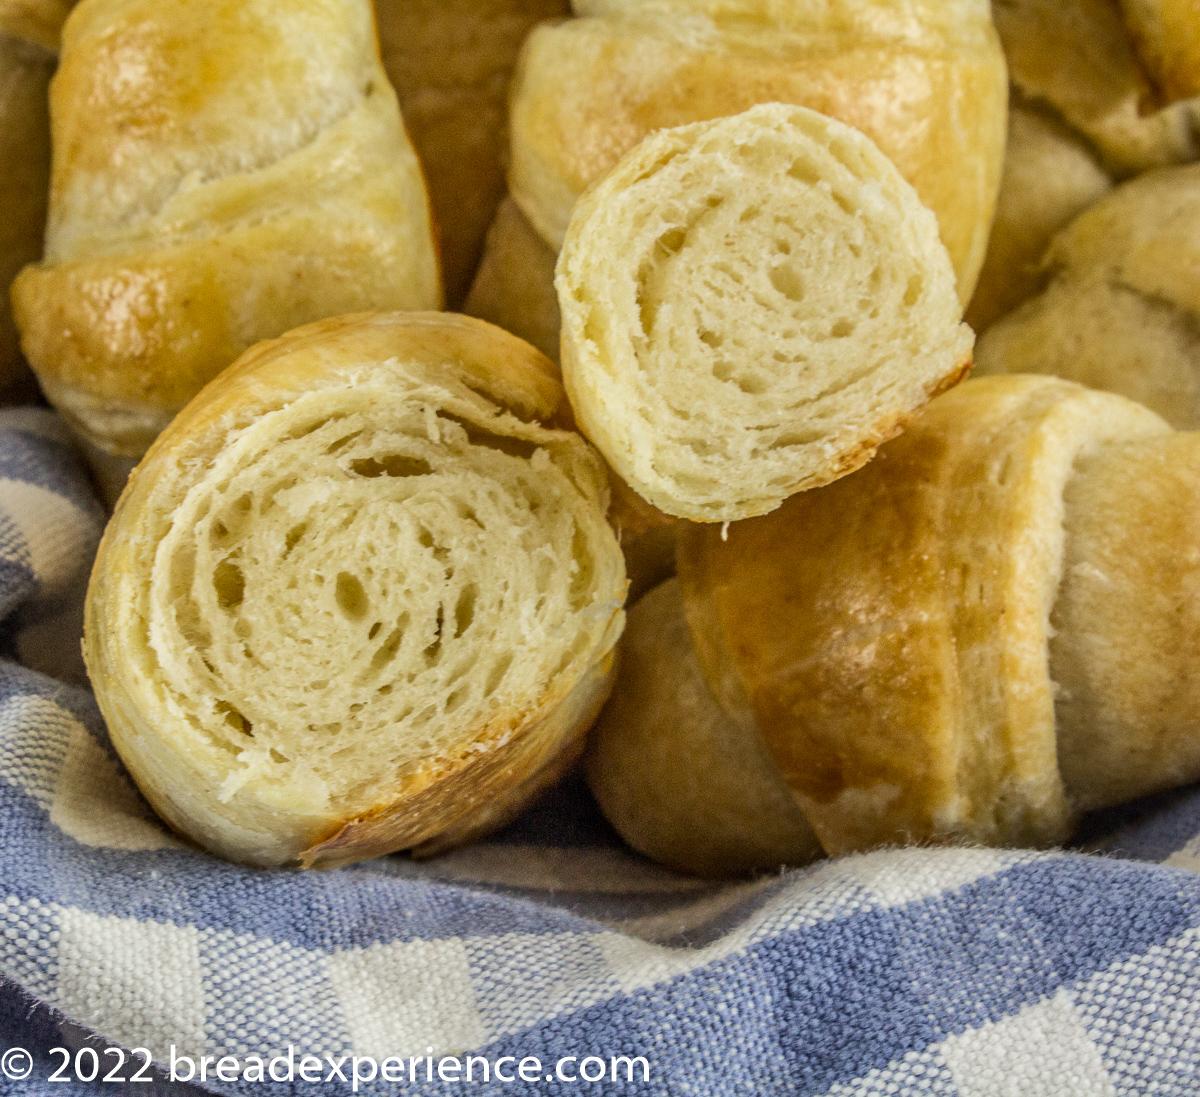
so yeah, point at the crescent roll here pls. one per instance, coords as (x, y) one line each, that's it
(1077, 58)
(750, 306)
(925, 80)
(1050, 177)
(223, 170)
(360, 596)
(29, 33)
(679, 779)
(987, 629)
(450, 62)
(1122, 308)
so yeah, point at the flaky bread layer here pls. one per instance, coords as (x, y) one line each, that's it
(357, 597)
(750, 307)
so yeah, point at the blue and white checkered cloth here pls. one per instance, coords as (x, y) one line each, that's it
(971, 972)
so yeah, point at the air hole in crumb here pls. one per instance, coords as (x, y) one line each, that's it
(229, 583)
(245, 504)
(456, 699)
(496, 676)
(796, 438)
(374, 630)
(342, 443)
(293, 538)
(782, 247)
(434, 652)
(804, 173)
(390, 464)
(351, 598)
(481, 436)
(842, 329)
(788, 282)
(749, 214)
(387, 650)
(277, 757)
(235, 719)
(218, 533)
(672, 240)
(712, 338)
(464, 609)
(751, 384)
(916, 284)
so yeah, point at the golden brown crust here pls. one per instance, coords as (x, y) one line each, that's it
(1126, 636)
(681, 781)
(890, 632)
(929, 88)
(450, 62)
(175, 239)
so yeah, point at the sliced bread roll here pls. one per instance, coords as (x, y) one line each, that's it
(358, 597)
(750, 307)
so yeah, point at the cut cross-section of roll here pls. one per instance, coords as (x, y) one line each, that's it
(359, 596)
(750, 307)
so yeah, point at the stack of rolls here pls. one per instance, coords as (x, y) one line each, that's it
(366, 591)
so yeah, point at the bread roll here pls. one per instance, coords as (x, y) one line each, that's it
(1166, 37)
(899, 635)
(681, 781)
(29, 31)
(223, 171)
(923, 79)
(514, 286)
(450, 62)
(1050, 176)
(750, 306)
(360, 596)
(1122, 311)
(1076, 57)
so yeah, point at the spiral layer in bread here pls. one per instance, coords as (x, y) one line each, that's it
(358, 597)
(750, 306)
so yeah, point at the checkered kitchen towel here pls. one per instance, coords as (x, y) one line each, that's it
(969, 972)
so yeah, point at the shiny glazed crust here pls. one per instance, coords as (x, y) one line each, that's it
(891, 632)
(207, 630)
(925, 81)
(223, 172)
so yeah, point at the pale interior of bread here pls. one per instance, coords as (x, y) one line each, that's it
(373, 580)
(750, 306)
